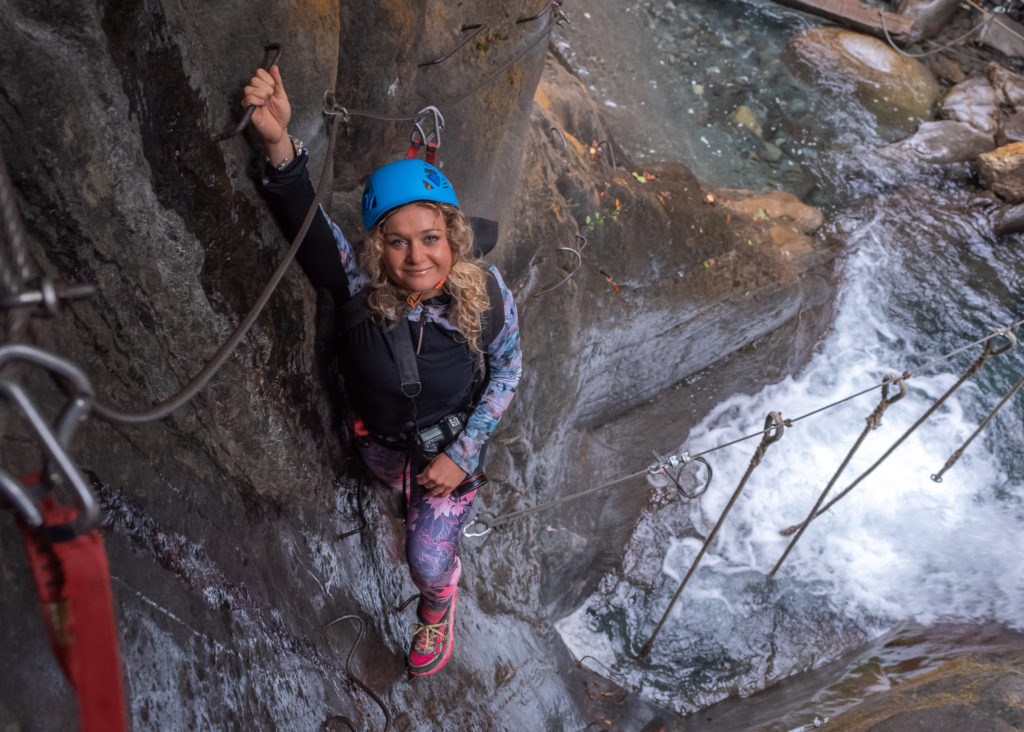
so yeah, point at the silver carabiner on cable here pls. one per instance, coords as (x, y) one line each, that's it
(482, 522)
(680, 461)
(432, 139)
(55, 441)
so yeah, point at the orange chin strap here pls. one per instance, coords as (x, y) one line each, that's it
(414, 301)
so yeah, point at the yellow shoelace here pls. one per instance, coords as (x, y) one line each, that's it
(426, 637)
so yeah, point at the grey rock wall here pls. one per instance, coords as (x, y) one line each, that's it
(223, 520)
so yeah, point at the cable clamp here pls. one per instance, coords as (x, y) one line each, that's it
(50, 295)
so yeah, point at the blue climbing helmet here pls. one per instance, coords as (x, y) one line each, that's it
(402, 182)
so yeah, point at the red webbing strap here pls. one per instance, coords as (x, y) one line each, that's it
(414, 150)
(73, 581)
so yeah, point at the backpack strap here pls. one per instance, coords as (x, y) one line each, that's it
(354, 310)
(494, 319)
(401, 339)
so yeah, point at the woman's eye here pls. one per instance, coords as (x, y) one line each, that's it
(430, 239)
(397, 243)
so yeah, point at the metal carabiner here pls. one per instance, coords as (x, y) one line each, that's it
(15, 493)
(89, 515)
(991, 350)
(55, 441)
(482, 522)
(438, 120)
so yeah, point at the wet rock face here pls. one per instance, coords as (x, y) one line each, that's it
(929, 16)
(978, 691)
(1002, 171)
(900, 90)
(224, 520)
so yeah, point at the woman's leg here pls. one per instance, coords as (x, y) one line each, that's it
(433, 527)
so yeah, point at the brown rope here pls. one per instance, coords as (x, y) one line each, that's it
(988, 352)
(773, 426)
(873, 420)
(937, 477)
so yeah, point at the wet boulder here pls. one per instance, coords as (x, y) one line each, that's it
(1002, 171)
(929, 16)
(1004, 35)
(899, 90)
(1009, 86)
(941, 142)
(973, 692)
(973, 101)
(1010, 220)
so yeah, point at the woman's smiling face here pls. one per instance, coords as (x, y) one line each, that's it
(417, 255)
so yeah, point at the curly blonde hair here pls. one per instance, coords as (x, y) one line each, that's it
(466, 283)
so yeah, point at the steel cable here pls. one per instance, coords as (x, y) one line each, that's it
(167, 406)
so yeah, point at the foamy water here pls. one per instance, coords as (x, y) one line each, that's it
(922, 276)
(900, 546)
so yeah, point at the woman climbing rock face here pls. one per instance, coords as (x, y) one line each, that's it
(428, 344)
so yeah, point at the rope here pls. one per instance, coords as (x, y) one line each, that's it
(1006, 332)
(937, 477)
(355, 679)
(1001, 10)
(873, 421)
(167, 406)
(986, 354)
(773, 427)
(493, 522)
(489, 521)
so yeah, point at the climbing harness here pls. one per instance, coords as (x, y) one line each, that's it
(66, 553)
(271, 55)
(355, 679)
(874, 420)
(773, 427)
(937, 477)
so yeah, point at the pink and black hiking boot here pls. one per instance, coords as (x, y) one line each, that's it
(432, 640)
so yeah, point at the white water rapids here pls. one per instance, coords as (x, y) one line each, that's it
(900, 546)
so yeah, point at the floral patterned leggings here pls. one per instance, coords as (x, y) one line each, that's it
(432, 525)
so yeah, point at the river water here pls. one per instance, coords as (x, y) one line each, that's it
(932, 565)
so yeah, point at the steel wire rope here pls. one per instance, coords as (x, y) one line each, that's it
(873, 420)
(332, 108)
(13, 278)
(186, 393)
(489, 521)
(355, 679)
(971, 370)
(958, 453)
(773, 429)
